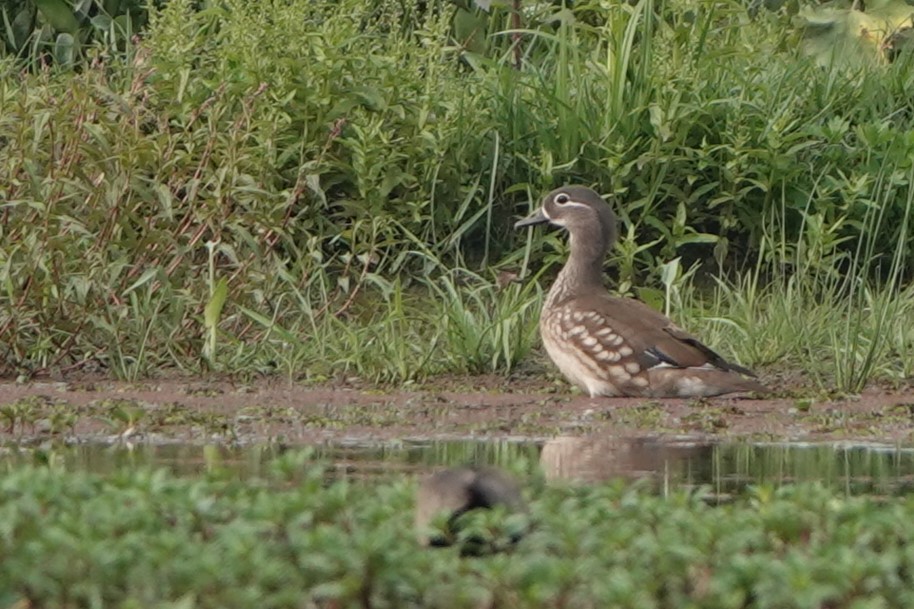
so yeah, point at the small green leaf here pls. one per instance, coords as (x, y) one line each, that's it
(680, 221)
(370, 97)
(271, 325)
(697, 238)
(101, 22)
(651, 297)
(65, 49)
(81, 8)
(214, 306)
(669, 272)
(144, 278)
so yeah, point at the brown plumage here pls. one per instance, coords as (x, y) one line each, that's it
(618, 346)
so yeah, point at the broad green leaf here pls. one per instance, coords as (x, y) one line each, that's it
(124, 26)
(470, 30)
(58, 15)
(20, 29)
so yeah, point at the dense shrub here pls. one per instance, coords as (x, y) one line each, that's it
(271, 160)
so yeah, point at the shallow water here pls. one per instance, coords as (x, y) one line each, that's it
(667, 464)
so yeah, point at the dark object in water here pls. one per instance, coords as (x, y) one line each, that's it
(456, 491)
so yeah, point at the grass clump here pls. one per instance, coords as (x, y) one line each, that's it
(456, 324)
(148, 537)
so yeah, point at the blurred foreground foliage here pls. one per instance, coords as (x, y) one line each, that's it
(147, 538)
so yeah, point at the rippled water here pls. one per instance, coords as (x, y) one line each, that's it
(666, 463)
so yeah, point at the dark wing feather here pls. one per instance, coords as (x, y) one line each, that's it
(653, 336)
(713, 357)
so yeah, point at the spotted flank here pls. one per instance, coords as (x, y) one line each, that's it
(587, 350)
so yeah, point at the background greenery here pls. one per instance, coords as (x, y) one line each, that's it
(325, 188)
(61, 31)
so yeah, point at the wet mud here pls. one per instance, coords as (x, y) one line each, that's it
(221, 411)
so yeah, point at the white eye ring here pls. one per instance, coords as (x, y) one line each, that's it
(562, 198)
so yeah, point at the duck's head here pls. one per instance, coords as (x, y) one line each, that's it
(578, 209)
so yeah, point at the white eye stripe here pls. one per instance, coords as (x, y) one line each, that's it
(560, 222)
(563, 199)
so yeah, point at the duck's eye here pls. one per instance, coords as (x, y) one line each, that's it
(562, 199)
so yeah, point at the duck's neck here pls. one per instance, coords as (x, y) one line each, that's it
(583, 271)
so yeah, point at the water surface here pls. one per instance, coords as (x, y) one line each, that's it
(666, 463)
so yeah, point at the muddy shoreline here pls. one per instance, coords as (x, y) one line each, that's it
(221, 411)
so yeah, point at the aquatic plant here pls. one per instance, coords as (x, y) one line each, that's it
(143, 537)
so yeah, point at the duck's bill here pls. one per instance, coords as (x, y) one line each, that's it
(537, 217)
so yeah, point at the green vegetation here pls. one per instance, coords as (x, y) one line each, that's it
(327, 188)
(147, 538)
